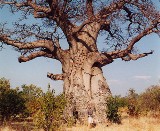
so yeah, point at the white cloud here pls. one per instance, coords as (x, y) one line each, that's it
(142, 77)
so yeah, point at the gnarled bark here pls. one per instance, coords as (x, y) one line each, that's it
(84, 86)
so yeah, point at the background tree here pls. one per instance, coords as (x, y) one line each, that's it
(133, 103)
(150, 100)
(32, 95)
(49, 116)
(11, 102)
(113, 105)
(122, 22)
(4, 85)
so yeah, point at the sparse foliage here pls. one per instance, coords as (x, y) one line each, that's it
(133, 103)
(4, 85)
(31, 94)
(150, 100)
(50, 114)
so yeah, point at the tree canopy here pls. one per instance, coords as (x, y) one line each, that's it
(11, 101)
(122, 22)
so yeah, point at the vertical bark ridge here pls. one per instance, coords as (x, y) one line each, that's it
(85, 86)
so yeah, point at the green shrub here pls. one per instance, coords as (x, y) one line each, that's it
(112, 110)
(11, 104)
(50, 114)
(133, 103)
(11, 101)
(150, 99)
(133, 110)
(32, 94)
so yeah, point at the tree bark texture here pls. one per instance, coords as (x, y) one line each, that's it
(84, 84)
(84, 90)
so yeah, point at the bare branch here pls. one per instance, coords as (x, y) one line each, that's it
(56, 41)
(39, 15)
(135, 56)
(31, 45)
(56, 76)
(126, 53)
(36, 7)
(89, 9)
(78, 28)
(145, 32)
(15, 3)
(34, 55)
(106, 11)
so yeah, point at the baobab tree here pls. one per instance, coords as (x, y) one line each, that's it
(123, 23)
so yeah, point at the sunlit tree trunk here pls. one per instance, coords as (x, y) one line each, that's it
(84, 83)
(86, 89)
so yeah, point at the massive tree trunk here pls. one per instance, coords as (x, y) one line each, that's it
(86, 87)
(84, 84)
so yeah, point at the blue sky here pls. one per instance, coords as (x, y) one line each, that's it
(120, 75)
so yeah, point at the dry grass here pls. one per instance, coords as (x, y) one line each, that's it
(6, 129)
(128, 124)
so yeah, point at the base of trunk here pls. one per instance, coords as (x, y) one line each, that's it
(79, 103)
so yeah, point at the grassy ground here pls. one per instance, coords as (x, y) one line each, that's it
(128, 124)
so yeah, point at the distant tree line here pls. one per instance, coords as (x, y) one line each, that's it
(136, 105)
(45, 109)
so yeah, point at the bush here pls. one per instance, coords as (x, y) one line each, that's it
(50, 114)
(32, 94)
(11, 104)
(150, 99)
(4, 85)
(112, 110)
(133, 103)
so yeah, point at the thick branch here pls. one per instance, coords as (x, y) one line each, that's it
(79, 28)
(106, 11)
(34, 55)
(127, 52)
(49, 48)
(100, 58)
(55, 76)
(48, 44)
(135, 56)
(36, 7)
(89, 8)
